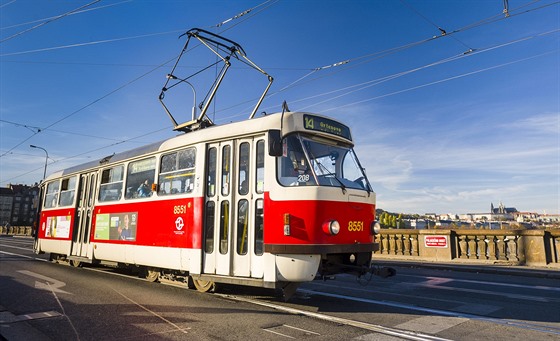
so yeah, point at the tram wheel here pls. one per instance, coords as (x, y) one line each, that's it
(203, 286)
(152, 275)
(76, 263)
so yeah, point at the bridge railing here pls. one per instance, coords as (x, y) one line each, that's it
(514, 247)
(16, 230)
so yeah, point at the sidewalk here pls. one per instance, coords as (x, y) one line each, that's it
(513, 270)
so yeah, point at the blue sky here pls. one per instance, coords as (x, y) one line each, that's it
(442, 123)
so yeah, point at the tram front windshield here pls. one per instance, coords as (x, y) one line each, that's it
(318, 162)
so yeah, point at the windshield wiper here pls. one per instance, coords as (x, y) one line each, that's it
(325, 169)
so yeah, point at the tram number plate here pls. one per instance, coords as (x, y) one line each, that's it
(355, 226)
(179, 209)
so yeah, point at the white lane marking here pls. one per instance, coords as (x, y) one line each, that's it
(23, 256)
(432, 324)
(301, 330)
(403, 334)
(513, 323)
(511, 285)
(277, 333)
(50, 284)
(7, 317)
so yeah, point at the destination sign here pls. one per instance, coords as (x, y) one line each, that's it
(326, 125)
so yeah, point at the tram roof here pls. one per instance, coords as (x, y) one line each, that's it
(209, 134)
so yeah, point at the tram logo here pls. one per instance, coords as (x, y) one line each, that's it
(179, 224)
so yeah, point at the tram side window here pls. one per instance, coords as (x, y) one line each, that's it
(243, 168)
(139, 178)
(177, 172)
(259, 224)
(211, 184)
(111, 184)
(259, 183)
(67, 191)
(226, 164)
(51, 198)
(242, 226)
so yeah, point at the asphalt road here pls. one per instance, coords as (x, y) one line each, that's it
(45, 301)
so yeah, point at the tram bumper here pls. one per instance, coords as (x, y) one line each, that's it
(297, 267)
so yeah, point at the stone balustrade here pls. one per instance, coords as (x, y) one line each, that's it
(514, 247)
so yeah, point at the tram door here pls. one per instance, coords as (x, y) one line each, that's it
(86, 196)
(234, 209)
(217, 224)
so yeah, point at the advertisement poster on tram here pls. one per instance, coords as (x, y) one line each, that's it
(58, 227)
(116, 226)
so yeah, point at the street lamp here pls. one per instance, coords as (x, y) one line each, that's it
(46, 159)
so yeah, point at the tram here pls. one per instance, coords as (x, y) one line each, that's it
(272, 202)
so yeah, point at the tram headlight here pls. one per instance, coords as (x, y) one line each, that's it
(375, 228)
(331, 227)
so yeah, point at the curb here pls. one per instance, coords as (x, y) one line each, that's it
(487, 269)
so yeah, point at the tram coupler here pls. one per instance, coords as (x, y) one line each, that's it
(383, 271)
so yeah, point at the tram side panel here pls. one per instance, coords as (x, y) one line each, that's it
(157, 233)
(55, 230)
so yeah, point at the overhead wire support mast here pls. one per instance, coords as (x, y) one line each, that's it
(217, 44)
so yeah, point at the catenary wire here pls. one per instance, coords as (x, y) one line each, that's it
(48, 21)
(325, 67)
(73, 13)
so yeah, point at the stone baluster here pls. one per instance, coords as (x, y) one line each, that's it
(511, 247)
(399, 242)
(392, 245)
(414, 242)
(501, 246)
(463, 252)
(492, 249)
(482, 247)
(384, 244)
(472, 247)
(406, 244)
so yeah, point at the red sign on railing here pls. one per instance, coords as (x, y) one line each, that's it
(435, 241)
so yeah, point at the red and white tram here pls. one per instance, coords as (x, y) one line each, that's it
(265, 202)
(271, 201)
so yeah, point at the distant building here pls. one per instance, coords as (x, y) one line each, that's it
(18, 205)
(6, 204)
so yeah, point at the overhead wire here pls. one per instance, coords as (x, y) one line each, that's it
(442, 31)
(367, 58)
(377, 81)
(293, 83)
(381, 54)
(73, 13)
(49, 21)
(442, 80)
(120, 88)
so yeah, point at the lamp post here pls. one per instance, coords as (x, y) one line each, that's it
(46, 159)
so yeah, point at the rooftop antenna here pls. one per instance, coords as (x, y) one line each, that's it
(225, 49)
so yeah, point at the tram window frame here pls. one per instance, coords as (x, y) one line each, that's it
(209, 227)
(139, 181)
(242, 246)
(52, 194)
(67, 191)
(177, 172)
(224, 227)
(259, 167)
(212, 164)
(243, 171)
(226, 169)
(258, 247)
(111, 181)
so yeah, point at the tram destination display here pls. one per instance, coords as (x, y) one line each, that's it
(326, 125)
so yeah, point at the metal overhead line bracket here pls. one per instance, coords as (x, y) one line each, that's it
(224, 49)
